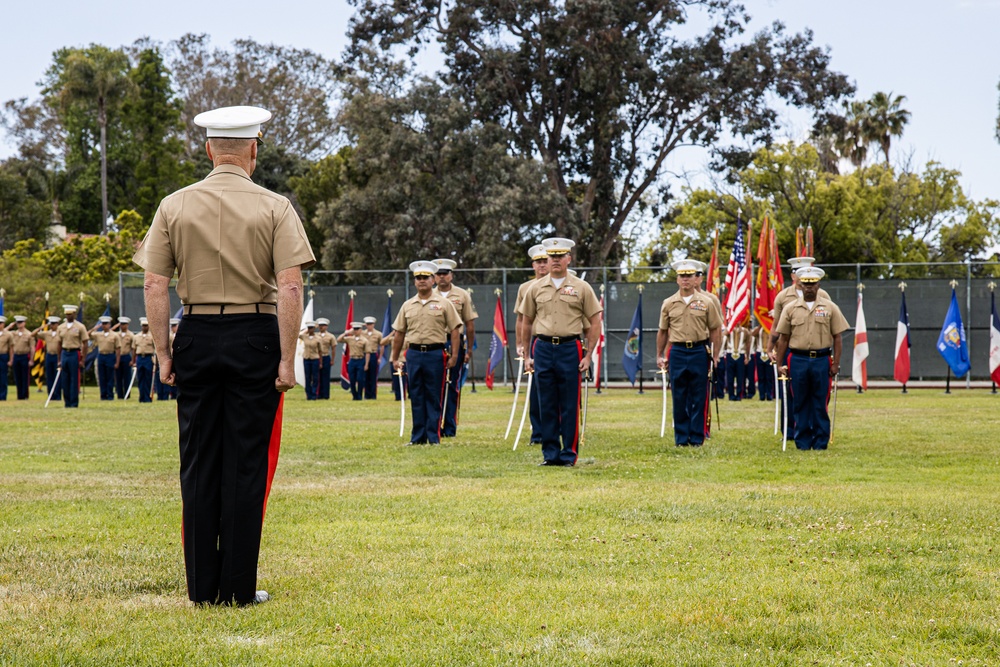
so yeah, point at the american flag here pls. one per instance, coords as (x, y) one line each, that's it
(737, 282)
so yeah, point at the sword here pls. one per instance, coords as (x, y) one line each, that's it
(402, 401)
(517, 390)
(130, 383)
(55, 384)
(711, 384)
(777, 399)
(833, 417)
(784, 411)
(447, 387)
(663, 416)
(527, 401)
(586, 396)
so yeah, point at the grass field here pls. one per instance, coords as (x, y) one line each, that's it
(879, 551)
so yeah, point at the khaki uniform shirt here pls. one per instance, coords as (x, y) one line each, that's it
(127, 338)
(462, 301)
(715, 300)
(23, 341)
(107, 342)
(143, 343)
(326, 342)
(373, 339)
(812, 329)
(310, 345)
(789, 295)
(427, 323)
(521, 291)
(51, 339)
(5, 341)
(73, 335)
(355, 343)
(737, 341)
(689, 322)
(227, 238)
(563, 311)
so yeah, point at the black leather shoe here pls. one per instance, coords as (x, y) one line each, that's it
(549, 463)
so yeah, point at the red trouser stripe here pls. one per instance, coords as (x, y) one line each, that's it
(273, 447)
(579, 397)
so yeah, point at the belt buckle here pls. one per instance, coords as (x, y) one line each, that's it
(812, 354)
(689, 344)
(555, 340)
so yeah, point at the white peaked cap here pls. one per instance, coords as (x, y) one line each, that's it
(537, 252)
(369, 320)
(233, 122)
(125, 320)
(686, 266)
(799, 262)
(423, 268)
(557, 246)
(323, 320)
(810, 274)
(445, 264)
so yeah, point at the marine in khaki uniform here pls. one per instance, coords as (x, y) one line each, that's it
(50, 334)
(356, 343)
(373, 344)
(462, 301)
(425, 322)
(73, 339)
(690, 328)
(326, 351)
(238, 251)
(144, 353)
(810, 329)
(559, 309)
(5, 356)
(22, 348)
(719, 366)
(109, 347)
(126, 359)
(540, 266)
(312, 360)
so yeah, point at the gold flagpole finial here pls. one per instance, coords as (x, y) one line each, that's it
(107, 297)
(861, 287)
(640, 287)
(312, 293)
(46, 297)
(602, 288)
(954, 284)
(389, 293)
(470, 290)
(352, 294)
(81, 295)
(902, 286)
(3, 292)
(498, 291)
(992, 285)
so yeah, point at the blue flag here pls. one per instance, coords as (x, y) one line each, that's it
(632, 359)
(951, 343)
(1, 305)
(386, 330)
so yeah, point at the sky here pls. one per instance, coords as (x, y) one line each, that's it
(940, 54)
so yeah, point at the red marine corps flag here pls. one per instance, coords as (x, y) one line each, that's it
(769, 279)
(712, 280)
(345, 379)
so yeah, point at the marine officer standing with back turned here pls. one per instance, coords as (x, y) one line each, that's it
(238, 250)
(425, 322)
(559, 308)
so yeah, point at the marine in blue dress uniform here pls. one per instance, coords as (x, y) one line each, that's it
(559, 309)
(809, 330)
(425, 321)
(690, 327)
(108, 353)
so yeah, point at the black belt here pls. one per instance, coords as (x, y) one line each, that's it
(361, 357)
(71, 349)
(812, 354)
(558, 340)
(142, 355)
(230, 309)
(691, 344)
(426, 348)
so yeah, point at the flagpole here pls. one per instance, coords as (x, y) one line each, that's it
(902, 289)
(640, 288)
(602, 371)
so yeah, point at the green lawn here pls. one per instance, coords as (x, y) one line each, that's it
(878, 551)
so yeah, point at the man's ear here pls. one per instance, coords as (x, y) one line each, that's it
(208, 150)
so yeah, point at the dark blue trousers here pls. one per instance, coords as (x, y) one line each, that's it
(311, 367)
(371, 376)
(765, 378)
(144, 378)
(398, 386)
(535, 414)
(557, 373)
(324, 377)
(21, 377)
(453, 389)
(425, 380)
(51, 369)
(720, 378)
(810, 385)
(735, 376)
(689, 389)
(106, 373)
(356, 375)
(749, 372)
(4, 360)
(123, 374)
(71, 378)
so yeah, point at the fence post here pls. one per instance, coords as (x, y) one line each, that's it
(607, 303)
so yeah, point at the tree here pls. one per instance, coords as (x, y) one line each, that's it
(604, 92)
(885, 119)
(22, 216)
(425, 179)
(94, 80)
(97, 259)
(875, 121)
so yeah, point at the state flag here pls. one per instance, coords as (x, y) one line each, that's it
(859, 369)
(632, 358)
(994, 342)
(498, 343)
(951, 342)
(901, 367)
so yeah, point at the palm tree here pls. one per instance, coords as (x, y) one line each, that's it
(97, 77)
(885, 119)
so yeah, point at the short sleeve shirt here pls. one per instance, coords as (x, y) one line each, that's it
(462, 301)
(23, 341)
(127, 338)
(325, 343)
(689, 322)
(73, 335)
(310, 345)
(521, 291)
(787, 296)
(5, 341)
(355, 343)
(812, 329)
(427, 323)
(51, 339)
(107, 341)
(143, 343)
(227, 238)
(561, 311)
(372, 341)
